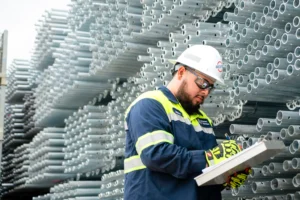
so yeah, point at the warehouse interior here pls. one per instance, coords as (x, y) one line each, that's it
(63, 116)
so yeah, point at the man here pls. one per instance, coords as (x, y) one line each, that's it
(169, 140)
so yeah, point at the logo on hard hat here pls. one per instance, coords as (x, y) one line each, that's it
(219, 66)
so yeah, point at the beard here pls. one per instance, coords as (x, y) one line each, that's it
(185, 100)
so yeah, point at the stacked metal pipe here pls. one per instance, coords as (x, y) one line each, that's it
(112, 186)
(81, 190)
(94, 135)
(277, 177)
(263, 50)
(13, 126)
(66, 80)
(51, 32)
(46, 158)
(19, 75)
(83, 13)
(30, 129)
(42, 197)
(21, 165)
(116, 50)
(7, 167)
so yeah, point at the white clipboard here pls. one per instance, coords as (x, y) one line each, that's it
(250, 157)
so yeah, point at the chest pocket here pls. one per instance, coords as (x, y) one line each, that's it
(206, 125)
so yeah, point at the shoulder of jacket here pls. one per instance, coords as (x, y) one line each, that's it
(154, 95)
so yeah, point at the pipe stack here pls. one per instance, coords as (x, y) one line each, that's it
(263, 45)
(7, 168)
(94, 135)
(21, 165)
(13, 126)
(42, 197)
(166, 16)
(83, 13)
(51, 32)
(86, 141)
(67, 79)
(30, 129)
(83, 190)
(114, 30)
(277, 177)
(112, 186)
(19, 75)
(46, 158)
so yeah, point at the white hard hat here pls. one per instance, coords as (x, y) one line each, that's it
(203, 58)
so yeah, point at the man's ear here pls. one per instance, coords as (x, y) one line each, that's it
(180, 72)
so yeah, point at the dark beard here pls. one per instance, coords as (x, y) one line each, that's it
(185, 100)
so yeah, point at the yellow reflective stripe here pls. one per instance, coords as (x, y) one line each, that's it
(153, 138)
(133, 163)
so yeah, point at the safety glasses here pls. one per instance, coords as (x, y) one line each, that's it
(201, 82)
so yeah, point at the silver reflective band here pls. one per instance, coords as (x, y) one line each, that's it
(125, 126)
(208, 130)
(153, 138)
(198, 128)
(175, 117)
(133, 163)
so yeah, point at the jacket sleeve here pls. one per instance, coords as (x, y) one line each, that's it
(147, 117)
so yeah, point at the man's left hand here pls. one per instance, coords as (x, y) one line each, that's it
(237, 179)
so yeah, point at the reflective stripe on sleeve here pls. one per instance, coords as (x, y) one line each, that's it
(133, 163)
(153, 138)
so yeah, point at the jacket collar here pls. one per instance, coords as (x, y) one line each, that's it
(168, 94)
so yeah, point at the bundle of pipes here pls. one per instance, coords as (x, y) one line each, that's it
(51, 32)
(83, 13)
(42, 197)
(112, 186)
(46, 158)
(263, 44)
(7, 167)
(13, 126)
(21, 165)
(67, 79)
(278, 175)
(116, 35)
(86, 141)
(164, 16)
(19, 74)
(80, 190)
(95, 137)
(30, 129)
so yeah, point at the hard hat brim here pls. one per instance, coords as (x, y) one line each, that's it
(172, 61)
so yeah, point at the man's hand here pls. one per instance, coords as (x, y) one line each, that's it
(237, 179)
(223, 151)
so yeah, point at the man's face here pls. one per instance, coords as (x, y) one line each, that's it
(189, 94)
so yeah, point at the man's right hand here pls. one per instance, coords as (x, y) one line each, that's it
(223, 151)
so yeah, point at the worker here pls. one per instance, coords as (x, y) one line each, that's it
(169, 140)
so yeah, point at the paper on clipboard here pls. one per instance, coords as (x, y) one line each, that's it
(249, 157)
